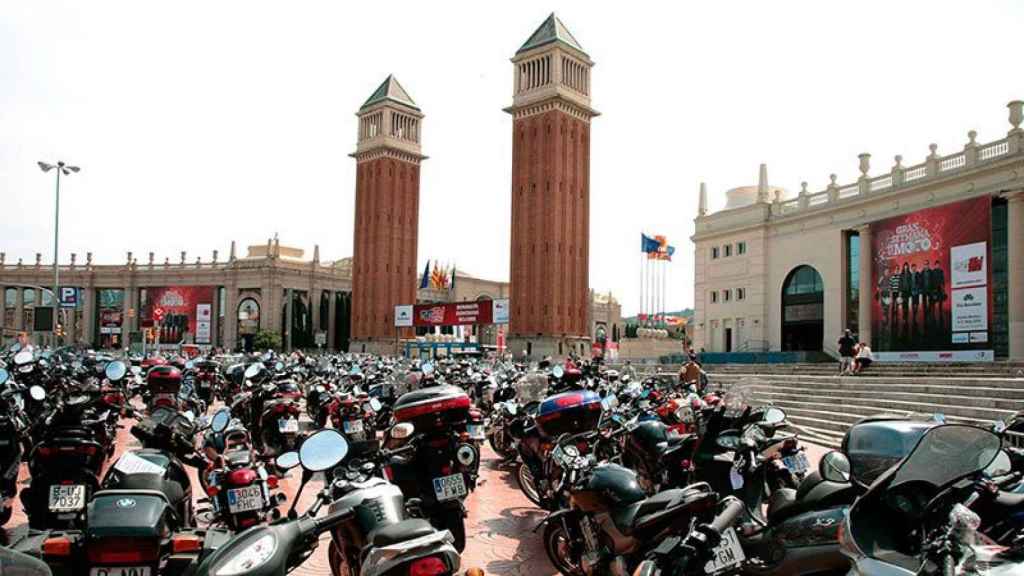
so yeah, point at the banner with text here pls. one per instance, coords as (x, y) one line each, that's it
(931, 284)
(453, 313)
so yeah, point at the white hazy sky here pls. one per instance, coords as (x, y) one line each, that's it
(196, 123)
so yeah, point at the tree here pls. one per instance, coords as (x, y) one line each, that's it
(266, 340)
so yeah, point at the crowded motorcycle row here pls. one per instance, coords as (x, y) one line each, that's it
(635, 474)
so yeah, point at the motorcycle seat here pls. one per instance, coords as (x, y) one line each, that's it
(627, 518)
(814, 493)
(400, 532)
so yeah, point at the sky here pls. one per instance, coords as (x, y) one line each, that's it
(198, 123)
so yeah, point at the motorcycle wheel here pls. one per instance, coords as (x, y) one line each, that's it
(501, 446)
(558, 546)
(451, 519)
(339, 567)
(527, 484)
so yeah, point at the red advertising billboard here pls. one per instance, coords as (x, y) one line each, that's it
(453, 313)
(186, 313)
(931, 282)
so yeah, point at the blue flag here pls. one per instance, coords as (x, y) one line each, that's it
(648, 244)
(425, 281)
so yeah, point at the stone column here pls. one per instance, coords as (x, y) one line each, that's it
(19, 310)
(126, 322)
(70, 326)
(230, 317)
(314, 303)
(88, 315)
(332, 319)
(287, 336)
(865, 286)
(1015, 273)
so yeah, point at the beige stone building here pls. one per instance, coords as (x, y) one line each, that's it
(245, 294)
(781, 272)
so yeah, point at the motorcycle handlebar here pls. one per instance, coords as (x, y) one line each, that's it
(727, 517)
(325, 523)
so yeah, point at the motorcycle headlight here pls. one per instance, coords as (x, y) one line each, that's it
(251, 557)
(466, 455)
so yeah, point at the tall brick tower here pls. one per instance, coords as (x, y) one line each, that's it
(550, 194)
(386, 215)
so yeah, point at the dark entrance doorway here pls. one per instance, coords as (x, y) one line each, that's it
(728, 339)
(803, 310)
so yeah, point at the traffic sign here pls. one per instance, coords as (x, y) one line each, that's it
(158, 314)
(68, 297)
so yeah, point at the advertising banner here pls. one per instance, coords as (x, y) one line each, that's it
(501, 311)
(931, 282)
(453, 314)
(187, 313)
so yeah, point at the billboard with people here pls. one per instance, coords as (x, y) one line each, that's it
(181, 314)
(931, 283)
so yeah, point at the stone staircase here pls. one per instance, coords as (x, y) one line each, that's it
(823, 405)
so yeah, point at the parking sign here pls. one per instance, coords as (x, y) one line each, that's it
(68, 297)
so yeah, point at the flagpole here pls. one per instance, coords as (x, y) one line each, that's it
(641, 309)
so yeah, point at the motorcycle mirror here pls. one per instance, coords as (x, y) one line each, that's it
(115, 370)
(835, 467)
(37, 393)
(288, 460)
(252, 371)
(402, 430)
(774, 415)
(375, 405)
(323, 450)
(23, 357)
(220, 420)
(558, 372)
(1000, 466)
(4, 375)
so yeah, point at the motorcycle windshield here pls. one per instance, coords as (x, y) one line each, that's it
(739, 397)
(948, 453)
(874, 447)
(532, 388)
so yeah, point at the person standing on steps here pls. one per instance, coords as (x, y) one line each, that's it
(846, 352)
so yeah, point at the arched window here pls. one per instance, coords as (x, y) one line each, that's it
(248, 316)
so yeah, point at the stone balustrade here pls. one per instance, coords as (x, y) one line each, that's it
(934, 167)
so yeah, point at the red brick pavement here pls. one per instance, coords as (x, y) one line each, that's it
(500, 537)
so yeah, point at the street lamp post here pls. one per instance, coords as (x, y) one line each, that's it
(67, 170)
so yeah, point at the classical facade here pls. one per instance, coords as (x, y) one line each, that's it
(386, 213)
(218, 302)
(550, 193)
(926, 262)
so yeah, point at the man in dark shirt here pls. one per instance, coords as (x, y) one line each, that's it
(917, 289)
(938, 294)
(846, 344)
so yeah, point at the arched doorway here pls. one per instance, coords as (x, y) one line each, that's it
(803, 310)
(248, 317)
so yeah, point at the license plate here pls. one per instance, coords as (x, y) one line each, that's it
(797, 463)
(475, 431)
(67, 498)
(288, 425)
(353, 426)
(727, 554)
(120, 571)
(449, 487)
(245, 499)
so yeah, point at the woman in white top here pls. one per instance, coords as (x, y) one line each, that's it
(863, 359)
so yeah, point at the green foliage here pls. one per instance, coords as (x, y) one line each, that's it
(266, 340)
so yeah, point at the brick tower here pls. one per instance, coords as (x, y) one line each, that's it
(550, 194)
(386, 215)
